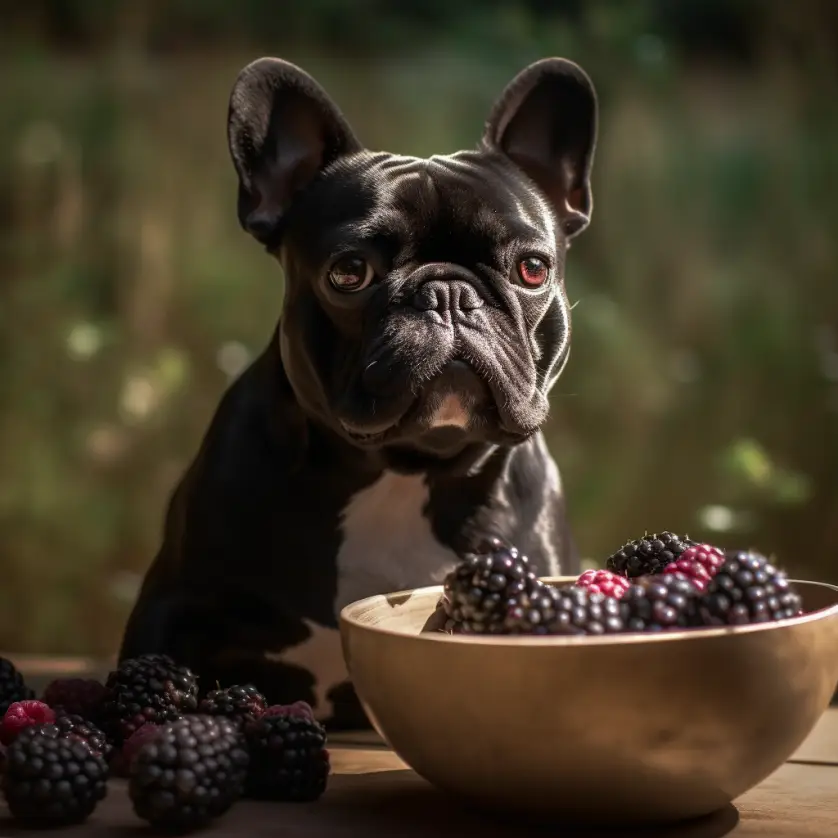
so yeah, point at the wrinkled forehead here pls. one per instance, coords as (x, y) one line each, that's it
(444, 208)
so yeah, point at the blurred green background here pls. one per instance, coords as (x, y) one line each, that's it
(702, 393)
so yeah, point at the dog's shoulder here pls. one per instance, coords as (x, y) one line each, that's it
(518, 496)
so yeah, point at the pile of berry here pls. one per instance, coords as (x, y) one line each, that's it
(187, 760)
(656, 583)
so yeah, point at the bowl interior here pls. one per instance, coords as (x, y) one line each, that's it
(407, 612)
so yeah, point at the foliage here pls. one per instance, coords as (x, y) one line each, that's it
(701, 394)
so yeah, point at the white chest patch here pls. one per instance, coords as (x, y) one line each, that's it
(387, 546)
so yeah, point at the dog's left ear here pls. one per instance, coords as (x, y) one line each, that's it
(546, 122)
(283, 130)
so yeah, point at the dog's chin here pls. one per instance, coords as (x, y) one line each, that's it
(452, 421)
(454, 459)
(437, 449)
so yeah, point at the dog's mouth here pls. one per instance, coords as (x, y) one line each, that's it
(365, 438)
(453, 410)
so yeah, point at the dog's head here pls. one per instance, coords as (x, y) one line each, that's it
(425, 310)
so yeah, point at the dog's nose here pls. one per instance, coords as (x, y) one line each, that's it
(447, 295)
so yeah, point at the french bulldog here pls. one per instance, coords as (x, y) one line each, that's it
(393, 420)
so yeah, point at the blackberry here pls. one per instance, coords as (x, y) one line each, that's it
(23, 714)
(439, 621)
(531, 612)
(748, 589)
(189, 773)
(51, 780)
(648, 555)
(660, 603)
(603, 582)
(478, 590)
(76, 697)
(12, 686)
(579, 611)
(75, 727)
(149, 688)
(288, 757)
(240, 704)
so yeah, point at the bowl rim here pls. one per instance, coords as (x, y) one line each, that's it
(347, 618)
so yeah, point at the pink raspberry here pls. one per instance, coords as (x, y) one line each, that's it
(699, 564)
(603, 582)
(298, 708)
(121, 761)
(137, 740)
(23, 714)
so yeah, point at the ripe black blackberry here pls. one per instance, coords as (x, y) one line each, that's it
(748, 589)
(660, 603)
(479, 589)
(579, 611)
(149, 688)
(12, 686)
(51, 780)
(532, 611)
(239, 704)
(648, 555)
(75, 727)
(288, 757)
(188, 773)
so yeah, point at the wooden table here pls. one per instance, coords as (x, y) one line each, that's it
(373, 793)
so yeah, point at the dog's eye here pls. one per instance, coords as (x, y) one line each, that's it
(351, 273)
(533, 271)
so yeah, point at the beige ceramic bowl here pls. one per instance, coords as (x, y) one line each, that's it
(621, 729)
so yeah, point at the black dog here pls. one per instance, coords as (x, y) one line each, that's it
(394, 418)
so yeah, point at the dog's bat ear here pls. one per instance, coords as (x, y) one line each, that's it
(546, 122)
(283, 129)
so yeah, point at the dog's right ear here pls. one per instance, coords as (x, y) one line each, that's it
(283, 129)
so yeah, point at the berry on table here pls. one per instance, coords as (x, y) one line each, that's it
(51, 780)
(137, 740)
(150, 688)
(240, 704)
(288, 757)
(188, 773)
(76, 727)
(748, 589)
(648, 555)
(76, 697)
(121, 759)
